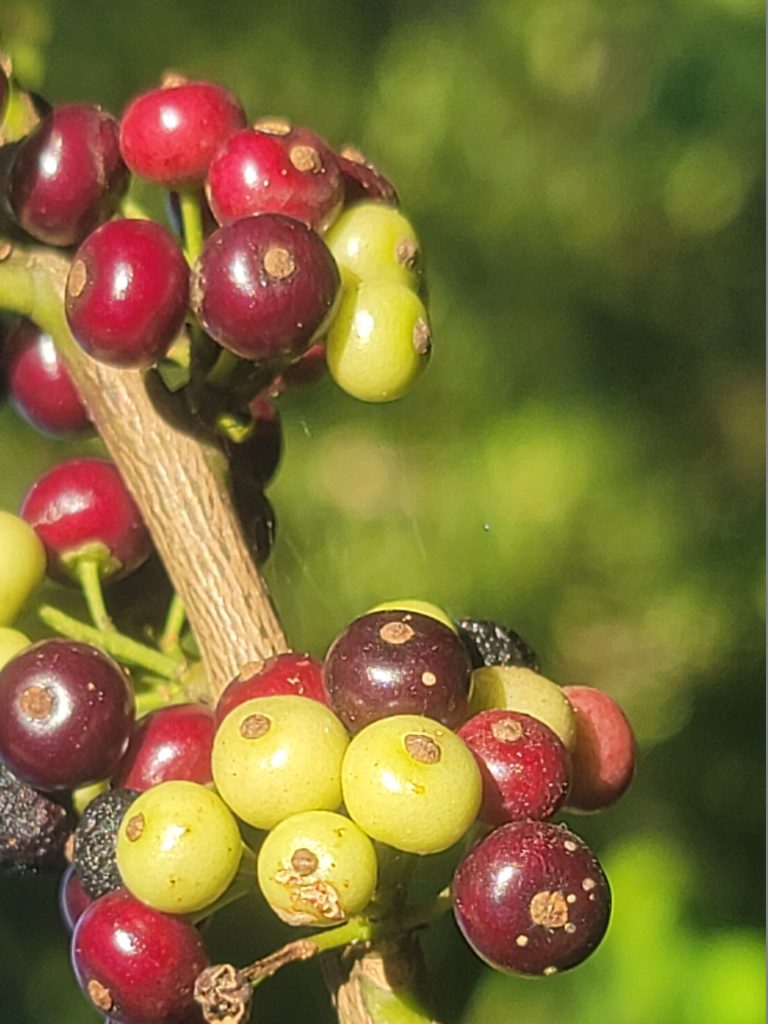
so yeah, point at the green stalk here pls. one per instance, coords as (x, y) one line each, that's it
(170, 637)
(89, 577)
(192, 223)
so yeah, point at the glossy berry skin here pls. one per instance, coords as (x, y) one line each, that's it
(22, 565)
(317, 868)
(67, 175)
(279, 169)
(169, 135)
(410, 782)
(525, 767)
(79, 505)
(73, 899)
(171, 743)
(363, 180)
(66, 714)
(127, 293)
(375, 242)
(397, 663)
(278, 756)
(379, 342)
(282, 675)
(531, 898)
(604, 755)
(519, 689)
(134, 963)
(264, 287)
(178, 847)
(39, 383)
(415, 604)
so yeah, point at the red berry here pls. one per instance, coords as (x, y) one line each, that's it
(67, 175)
(66, 714)
(73, 899)
(362, 179)
(170, 743)
(275, 168)
(524, 766)
(168, 135)
(39, 383)
(127, 293)
(531, 898)
(134, 963)
(85, 502)
(282, 675)
(604, 756)
(397, 663)
(264, 287)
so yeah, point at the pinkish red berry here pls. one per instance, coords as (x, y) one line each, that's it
(170, 743)
(604, 755)
(282, 675)
(169, 135)
(524, 766)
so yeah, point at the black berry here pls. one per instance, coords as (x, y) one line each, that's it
(33, 827)
(489, 643)
(96, 840)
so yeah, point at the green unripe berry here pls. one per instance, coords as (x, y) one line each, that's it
(22, 565)
(525, 691)
(413, 604)
(411, 783)
(317, 868)
(178, 847)
(375, 242)
(379, 342)
(12, 641)
(278, 756)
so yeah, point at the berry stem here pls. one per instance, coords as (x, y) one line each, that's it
(169, 641)
(121, 647)
(89, 577)
(192, 223)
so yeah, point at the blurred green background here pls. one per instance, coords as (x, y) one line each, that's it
(583, 460)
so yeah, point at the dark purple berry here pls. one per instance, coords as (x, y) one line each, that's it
(531, 898)
(127, 293)
(397, 663)
(33, 827)
(67, 175)
(66, 714)
(95, 841)
(491, 644)
(362, 179)
(264, 287)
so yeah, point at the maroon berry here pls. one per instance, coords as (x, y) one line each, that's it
(306, 370)
(127, 293)
(264, 287)
(283, 675)
(397, 663)
(79, 505)
(67, 175)
(275, 168)
(531, 898)
(39, 383)
(170, 743)
(362, 179)
(604, 756)
(168, 135)
(73, 899)
(66, 714)
(524, 765)
(134, 963)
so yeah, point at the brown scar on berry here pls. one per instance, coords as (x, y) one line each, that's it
(69, 848)
(306, 159)
(588, 883)
(5, 250)
(304, 862)
(255, 726)
(396, 633)
(549, 909)
(78, 279)
(407, 253)
(354, 154)
(36, 702)
(507, 730)
(99, 995)
(134, 827)
(273, 125)
(422, 748)
(429, 678)
(422, 337)
(279, 263)
(521, 940)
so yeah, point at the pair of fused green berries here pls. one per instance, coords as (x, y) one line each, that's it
(380, 339)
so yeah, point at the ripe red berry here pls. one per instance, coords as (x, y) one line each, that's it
(127, 293)
(264, 287)
(397, 663)
(39, 383)
(168, 135)
(362, 179)
(284, 674)
(136, 964)
(604, 755)
(531, 898)
(524, 766)
(170, 743)
(67, 175)
(83, 503)
(275, 168)
(66, 714)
